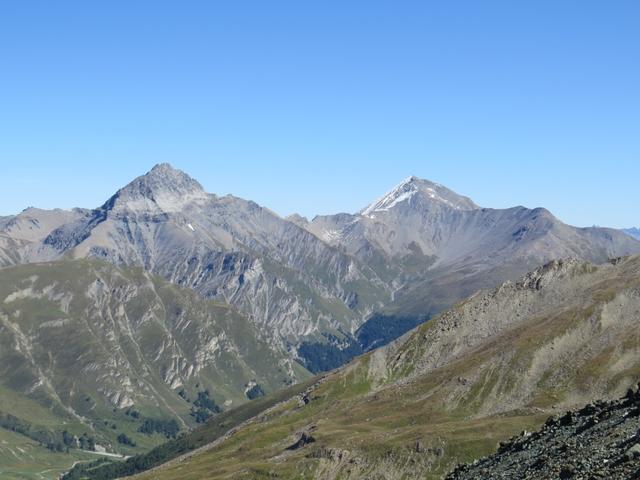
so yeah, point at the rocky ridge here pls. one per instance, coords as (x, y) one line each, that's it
(278, 274)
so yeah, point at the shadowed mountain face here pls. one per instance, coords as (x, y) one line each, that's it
(407, 256)
(449, 391)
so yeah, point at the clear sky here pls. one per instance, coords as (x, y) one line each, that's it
(320, 107)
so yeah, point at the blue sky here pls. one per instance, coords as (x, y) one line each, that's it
(320, 107)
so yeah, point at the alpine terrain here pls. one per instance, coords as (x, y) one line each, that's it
(100, 358)
(565, 335)
(601, 440)
(128, 324)
(323, 290)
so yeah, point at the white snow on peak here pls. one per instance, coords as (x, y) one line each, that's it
(400, 193)
(405, 190)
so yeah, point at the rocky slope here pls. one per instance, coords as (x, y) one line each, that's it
(90, 347)
(502, 361)
(599, 441)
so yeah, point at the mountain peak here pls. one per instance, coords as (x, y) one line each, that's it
(167, 175)
(413, 185)
(163, 188)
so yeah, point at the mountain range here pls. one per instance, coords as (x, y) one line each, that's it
(414, 252)
(166, 305)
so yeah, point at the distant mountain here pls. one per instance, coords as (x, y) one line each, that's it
(436, 247)
(634, 232)
(449, 391)
(22, 232)
(91, 335)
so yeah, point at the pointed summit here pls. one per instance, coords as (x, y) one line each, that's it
(163, 188)
(412, 186)
(164, 177)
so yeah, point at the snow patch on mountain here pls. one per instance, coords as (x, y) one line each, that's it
(400, 193)
(409, 188)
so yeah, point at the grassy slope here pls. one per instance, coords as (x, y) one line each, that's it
(23, 459)
(571, 346)
(65, 353)
(189, 444)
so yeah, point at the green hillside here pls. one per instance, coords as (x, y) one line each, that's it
(97, 357)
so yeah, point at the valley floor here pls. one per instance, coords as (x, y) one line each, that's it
(23, 459)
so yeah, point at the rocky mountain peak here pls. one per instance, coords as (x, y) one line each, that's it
(414, 186)
(163, 187)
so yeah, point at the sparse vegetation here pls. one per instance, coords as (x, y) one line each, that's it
(168, 428)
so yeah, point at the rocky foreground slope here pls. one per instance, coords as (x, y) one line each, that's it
(599, 441)
(448, 392)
